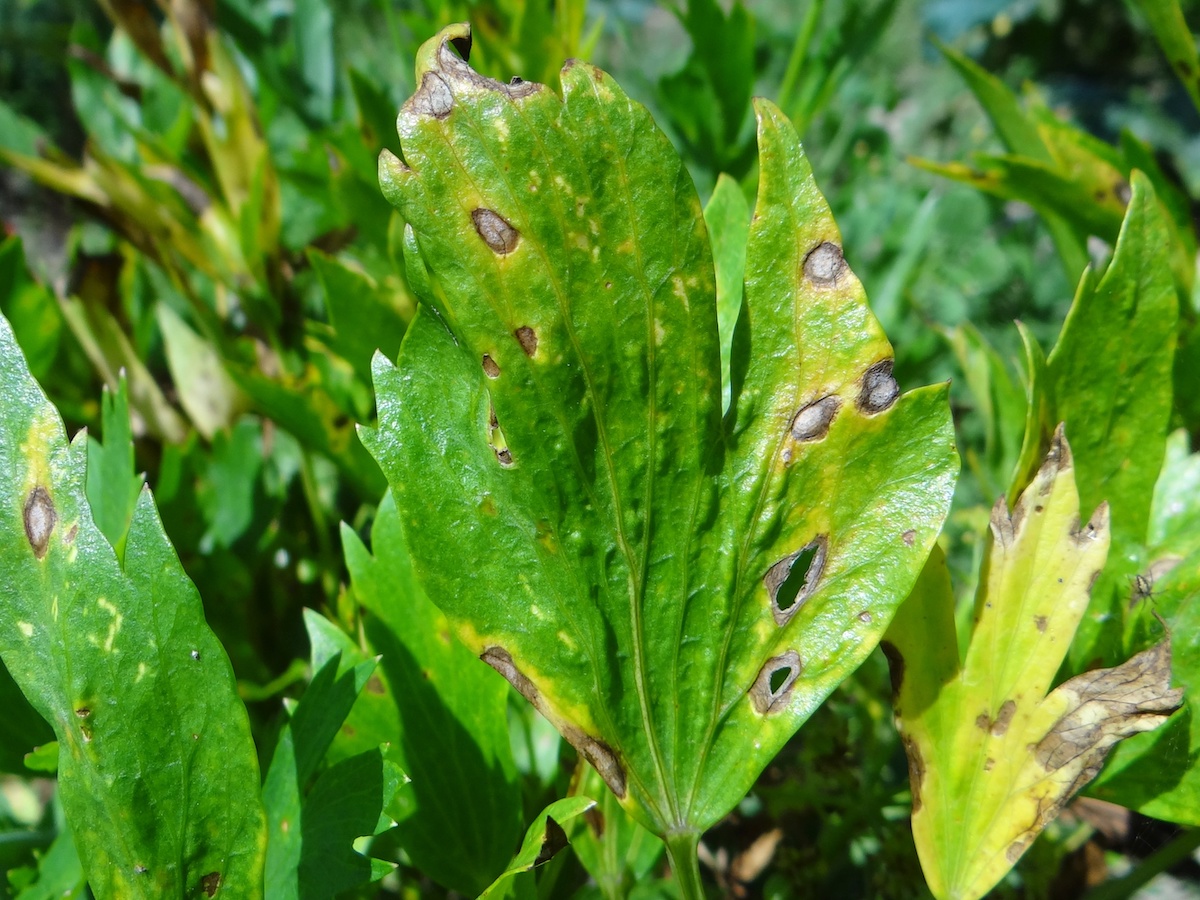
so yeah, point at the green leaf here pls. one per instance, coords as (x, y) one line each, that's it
(157, 774)
(570, 494)
(993, 753)
(1158, 774)
(21, 728)
(1177, 41)
(461, 816)
(727, 217)
(310, 854)
(1111, 381)
(112, 484)
(543, 840)
(59, 874)
(999, 403)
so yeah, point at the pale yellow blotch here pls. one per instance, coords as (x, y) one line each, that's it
(38, 444)
(114, 626)
(659, 333)
(626, 246)
(680, 290)
(581, 241)
(536, 611)
(141, 672)
(54, 608)
(501, 128)
(26, 629)
(567, 640)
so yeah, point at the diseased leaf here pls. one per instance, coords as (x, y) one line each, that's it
(674, 591)
(461, 815)
(992, 756)
(157, 772)
(544, 839)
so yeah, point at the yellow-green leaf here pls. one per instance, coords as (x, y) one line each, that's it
(992, 756)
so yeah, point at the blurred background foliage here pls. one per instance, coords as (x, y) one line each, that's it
(188, 193)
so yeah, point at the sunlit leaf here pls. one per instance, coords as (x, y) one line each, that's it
(157, 772)
(674, 591)
(993, 753)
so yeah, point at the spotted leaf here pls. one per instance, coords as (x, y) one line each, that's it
(993, 753)
(157, 772)
(674, 589)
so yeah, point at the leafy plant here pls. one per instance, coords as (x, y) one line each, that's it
(675, 591)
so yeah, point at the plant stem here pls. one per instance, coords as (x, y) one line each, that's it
(681, 851)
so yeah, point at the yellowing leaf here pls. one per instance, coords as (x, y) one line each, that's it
(992, 756)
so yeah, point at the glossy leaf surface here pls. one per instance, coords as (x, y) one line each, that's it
(674, 591)
(993, 753)
(157, 771)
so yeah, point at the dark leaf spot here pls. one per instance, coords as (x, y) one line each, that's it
(916, 771)
(495, 230)
(1122, 191)
(505, 458)
(40, 519)
(1040, 622)
(824, 265)
(211, 883)
(812, 421)
(773, 686)
(792, 580)
(864, 616)
(433, 97)
(908, 537)
(878, 389)
(1003, 718)
(490, 369)
(528, 339)
(595, 821)
(988, 764)
(375, 685)
(140, 870)
(595, 751)
(83, 712)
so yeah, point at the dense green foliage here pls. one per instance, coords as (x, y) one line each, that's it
(596, 397)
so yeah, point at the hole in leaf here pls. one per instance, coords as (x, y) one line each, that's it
(778, 678)
(792, 580)
(773, 687)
